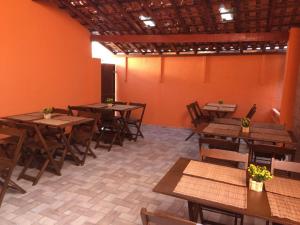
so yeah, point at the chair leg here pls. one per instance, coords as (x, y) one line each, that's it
(242, 220)
(191, 135)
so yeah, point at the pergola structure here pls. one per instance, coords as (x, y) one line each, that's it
(186, 26)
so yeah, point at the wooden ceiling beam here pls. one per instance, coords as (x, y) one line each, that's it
(198, 38)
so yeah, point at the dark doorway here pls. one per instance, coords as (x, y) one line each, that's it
(107, 81)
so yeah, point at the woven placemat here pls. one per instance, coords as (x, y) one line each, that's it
(216, 172)
(284, 186)
(24, 117)
(221, 132)
(51, 122)
(222, 105)
(225, 126)
(69, 118)
(284, 207)
(222, 193)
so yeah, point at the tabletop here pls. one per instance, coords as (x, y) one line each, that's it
(167, 185)
(114, 107)
(57, 119)
(256, 133)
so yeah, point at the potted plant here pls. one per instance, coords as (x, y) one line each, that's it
(220, 102)
(245, 125)
(258, 174)
(47, 112)
(109, 102)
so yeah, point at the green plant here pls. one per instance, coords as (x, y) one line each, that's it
(220, 101)
(48, 110)
(259, 173)
(109, 100)
(245, 122)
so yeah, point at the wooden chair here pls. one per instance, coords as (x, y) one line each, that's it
(201, 114)
(7, 164)
(218, 143)
(263, 154)
(223, 155)
(136, 122)
(195, 119)
(291, 167)
(82, 135)
(159, 218)
(110, 129)
(251, 112)
(61, 111)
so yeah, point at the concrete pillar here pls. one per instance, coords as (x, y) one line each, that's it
(291, 84)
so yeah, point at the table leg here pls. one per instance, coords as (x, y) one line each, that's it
(193, 211)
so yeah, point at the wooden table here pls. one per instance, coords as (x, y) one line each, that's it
(58, 122)
(257, 203)
(219, 110)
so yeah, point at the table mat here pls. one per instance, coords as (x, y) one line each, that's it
(97, 105)
(70, 118)
(269, 131)
(51, 122)
(225, 126)
(24, 117)
(208, 107)
(283, 186)
(284, 206)
(222, 193)
(216, 172)
(270, 137)
(228, 121)
(268, 125)
(226, 109)
(221, 132)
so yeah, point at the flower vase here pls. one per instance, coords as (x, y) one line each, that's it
(47, 116)
(245, 129)
(256, 186)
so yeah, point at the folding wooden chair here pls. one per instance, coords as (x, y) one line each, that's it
(109, 133)
(83, 134)
(219, 156)
(195, 119)
(136, 122)
(263, 154)
(291, 167)
(218, 143)
(159, 218)
(7, 164)
(251, 112)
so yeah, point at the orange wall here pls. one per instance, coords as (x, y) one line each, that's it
(244, 80)
(45, 59)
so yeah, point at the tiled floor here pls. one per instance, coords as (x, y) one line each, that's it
(109, 190)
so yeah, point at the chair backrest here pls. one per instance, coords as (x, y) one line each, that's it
(219, 144)
(229, 156)
(285, 166)
(271, 150)
(74, 110)
(61, 111)
(193, 113)
(251, 112)
(142, 111)
(159, 218)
